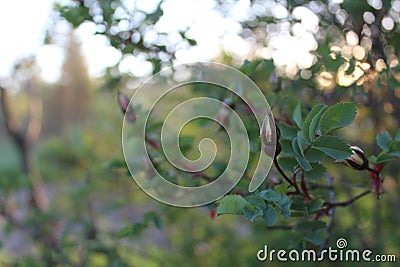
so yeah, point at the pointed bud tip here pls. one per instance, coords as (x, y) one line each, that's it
(123, 102)
(128, 111)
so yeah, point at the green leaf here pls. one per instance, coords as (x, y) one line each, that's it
(75, 15)
(256, 201)
(352, 66)
(270, 195)
(231, 204)
(301, 142)
(185, 142)
(287, 163)
(124, 232)
(270, 215)
(153, 216)
(297, 118)
(282, 201)
(383, 140)
(334, 64)
(296, 148)
(137, 228)
(287, 131)
(394, 148)
(284, 206)
(333, 147)
(249, 67)
(296, 242)
(298, 203)
(314, 155)
(304, 163)
(384, 157)
(310, 226)
(116, 163)
(131, 230)
(311, 122)
(156, 62)
(251, 212)
(287, 148)
(315, 204)
(372, 159)
(158, 222)
(156, 15)
(316, 237)
(338, 116)
(282, 188)
(154, 126)
(191, 41)
(397, 138)
(318, 171)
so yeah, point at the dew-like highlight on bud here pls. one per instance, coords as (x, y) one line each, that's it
(357, 160)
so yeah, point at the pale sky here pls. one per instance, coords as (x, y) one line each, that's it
(23, 24)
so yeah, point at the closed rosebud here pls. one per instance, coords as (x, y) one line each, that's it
(269, 141)
(123, 102)
(357, 160)
(266, 132)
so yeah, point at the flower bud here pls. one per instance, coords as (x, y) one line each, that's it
(270, 141)
(357, 160)
(123, 102)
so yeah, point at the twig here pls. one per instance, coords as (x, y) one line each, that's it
(278, 167)
(372, 170)
(304, 187)
(330, 205)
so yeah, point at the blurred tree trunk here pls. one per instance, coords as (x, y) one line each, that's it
(74, 94)
(24, 137)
